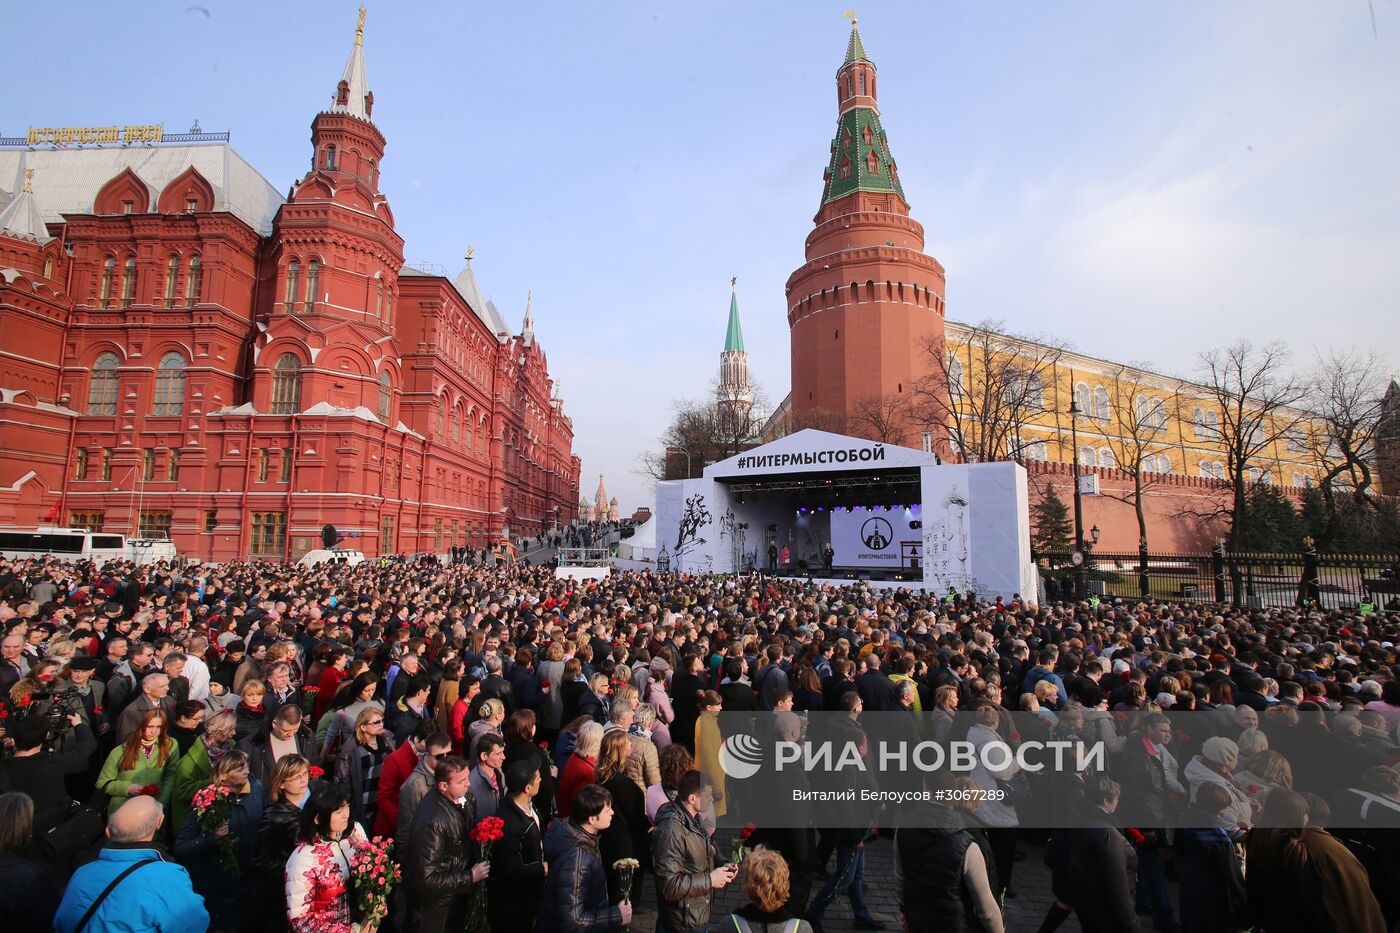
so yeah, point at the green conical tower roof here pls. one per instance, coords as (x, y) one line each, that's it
(855, 50)
(734, 338)
(860, 153)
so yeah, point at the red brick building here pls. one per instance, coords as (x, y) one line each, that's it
(185, 352)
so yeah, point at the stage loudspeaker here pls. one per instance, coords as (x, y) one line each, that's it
(328, 536)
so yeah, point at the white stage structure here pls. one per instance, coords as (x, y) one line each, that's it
(890, 513)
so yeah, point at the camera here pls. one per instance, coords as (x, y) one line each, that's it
(56, 705)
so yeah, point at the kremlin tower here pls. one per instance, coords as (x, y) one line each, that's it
(735, 395)
(868, 302)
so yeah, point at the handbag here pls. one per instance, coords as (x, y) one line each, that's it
(79, 828)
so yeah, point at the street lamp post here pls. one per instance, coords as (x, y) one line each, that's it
(1081, 572)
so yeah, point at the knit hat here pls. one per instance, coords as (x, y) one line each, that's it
(1221, 751)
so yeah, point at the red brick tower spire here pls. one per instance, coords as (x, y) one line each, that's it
(868, 299)
(337, 264)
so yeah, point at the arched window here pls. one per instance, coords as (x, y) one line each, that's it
(1100, 402)
(129, 282)
(293, 284)
(286, 385)
(1081, 398)
(193, 280)
(379, 301)
(456, 425)
(172, 275)
(104, 288)
(1035, 392)
(170, 386)
(1206, 424)
(955, 376)
(313, 282)
(386, 395)
(330, 158)
(1086, 456)
(102, 388)
(1106, 458)
(441, 416)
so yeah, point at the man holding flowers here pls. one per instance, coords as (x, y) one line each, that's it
(441, 863)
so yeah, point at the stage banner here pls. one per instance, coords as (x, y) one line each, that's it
(976, 529)
(876, 537)
(689, 517)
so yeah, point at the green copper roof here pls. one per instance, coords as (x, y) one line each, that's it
(858, 137)
(734, 339)
(855, 51)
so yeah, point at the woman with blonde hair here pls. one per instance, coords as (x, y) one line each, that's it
(490, 715)
(232, 904)
(288, 789)
(143, 764)
(1262, 774)
(767, 883)
(626, 836)
(251, 712)
(593, 703)
(360, 763)
(195, 767)
(582, 766)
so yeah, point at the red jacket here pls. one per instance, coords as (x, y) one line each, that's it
(577, 772)
(455, 718)
(328, 683)
(397, 767)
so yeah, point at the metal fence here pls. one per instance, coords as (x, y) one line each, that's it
(1250, 579)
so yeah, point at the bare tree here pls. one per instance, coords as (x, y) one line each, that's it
(1137, 435)
(883, 418)
(1347, 391)
(1256, 394)
(983, 388)
(703, 431)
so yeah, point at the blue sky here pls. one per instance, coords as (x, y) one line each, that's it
(1144, 181)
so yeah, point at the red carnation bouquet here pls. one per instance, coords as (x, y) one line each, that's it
(213, 806)
(488, 831)
(315, 772)
(150, 790)
(373, 875)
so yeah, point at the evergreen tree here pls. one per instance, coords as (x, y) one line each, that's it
(1052, 529)
(1273, 521)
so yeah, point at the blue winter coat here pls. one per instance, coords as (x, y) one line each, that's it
(156, 897)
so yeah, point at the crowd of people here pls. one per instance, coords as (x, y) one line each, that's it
(577, 723)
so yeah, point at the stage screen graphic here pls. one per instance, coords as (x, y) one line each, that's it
(879, 538)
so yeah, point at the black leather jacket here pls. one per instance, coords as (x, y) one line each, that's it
(277, 838)
(440, 855)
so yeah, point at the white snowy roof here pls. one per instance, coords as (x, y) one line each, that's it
(66, 181)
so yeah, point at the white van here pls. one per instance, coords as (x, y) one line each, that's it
(333, 556)
(150, 550)
(66, 543)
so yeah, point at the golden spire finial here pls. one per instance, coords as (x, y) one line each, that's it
(28, 178)
(470, 250)
(850, 15)
(360, 28)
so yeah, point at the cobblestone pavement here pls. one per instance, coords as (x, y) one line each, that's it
(1023, 914)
